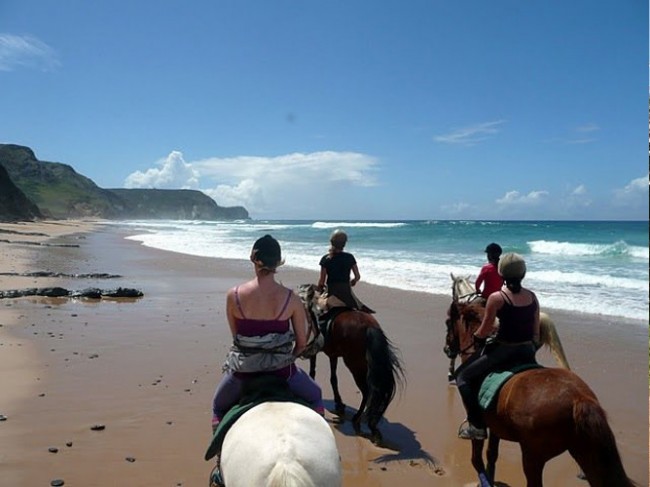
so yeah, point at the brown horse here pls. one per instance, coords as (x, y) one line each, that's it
(547, 411)
(373, 361)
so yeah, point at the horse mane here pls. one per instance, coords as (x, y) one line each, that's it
(549, 338)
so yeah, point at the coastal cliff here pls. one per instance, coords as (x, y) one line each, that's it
(56, 190)
(14, 205)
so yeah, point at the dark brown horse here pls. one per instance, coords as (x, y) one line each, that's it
(547, 411)
(357, 338)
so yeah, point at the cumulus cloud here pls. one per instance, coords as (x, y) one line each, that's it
(173, 173)
(276, 186)
(633, 193)
(578, 198)
(471, 134)
(518, 199)
(26, 52)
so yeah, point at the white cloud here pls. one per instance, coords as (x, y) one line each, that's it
(633, 193)
(588, 127)
(471, 134)
(579, 190)
(173, 173)
(26, 52)
(456, 209)
(515, 198)
(280, 187)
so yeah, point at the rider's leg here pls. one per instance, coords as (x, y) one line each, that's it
(306, 388)
(226, 395)
(468, 380)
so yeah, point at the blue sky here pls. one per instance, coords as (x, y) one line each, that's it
(425, 109)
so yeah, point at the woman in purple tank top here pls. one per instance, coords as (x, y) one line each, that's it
(516, 338)
(268, 325)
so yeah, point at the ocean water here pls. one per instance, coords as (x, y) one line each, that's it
(591, 266)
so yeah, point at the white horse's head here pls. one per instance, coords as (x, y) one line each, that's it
(461, 288)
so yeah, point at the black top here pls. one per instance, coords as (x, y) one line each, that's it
(338, 267)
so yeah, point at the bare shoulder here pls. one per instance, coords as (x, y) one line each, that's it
(495, 299)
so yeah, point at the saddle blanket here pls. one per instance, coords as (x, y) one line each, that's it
(494, 381)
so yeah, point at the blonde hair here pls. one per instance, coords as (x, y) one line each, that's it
(338, 239)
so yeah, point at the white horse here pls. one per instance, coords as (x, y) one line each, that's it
(280, 444)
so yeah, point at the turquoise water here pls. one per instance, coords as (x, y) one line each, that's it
(591, 267)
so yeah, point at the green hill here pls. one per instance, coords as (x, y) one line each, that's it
(60, 192)
(14, 205)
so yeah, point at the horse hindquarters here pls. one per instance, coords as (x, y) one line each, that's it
(280, 444)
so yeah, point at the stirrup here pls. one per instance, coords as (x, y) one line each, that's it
(471, 432)
(216, 480)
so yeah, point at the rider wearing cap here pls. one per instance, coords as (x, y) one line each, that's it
(516, 338)
(489, 275)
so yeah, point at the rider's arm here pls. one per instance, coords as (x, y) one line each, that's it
(494, 303)
(321, 279)
(298, 324)
(230, 311)
(536, 325)
(479, 280)
(357, 276)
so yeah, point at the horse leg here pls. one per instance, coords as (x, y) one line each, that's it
(477, 463)
(359, 374)
(533, 468)
(312, 367)
(492, 456)
(334, 381)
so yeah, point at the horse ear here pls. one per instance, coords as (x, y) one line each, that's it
(453, 278)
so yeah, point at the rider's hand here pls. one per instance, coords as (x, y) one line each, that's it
(479, 342)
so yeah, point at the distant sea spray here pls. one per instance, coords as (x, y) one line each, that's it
(591, 267)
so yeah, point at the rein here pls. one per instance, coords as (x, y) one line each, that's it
(316, 341)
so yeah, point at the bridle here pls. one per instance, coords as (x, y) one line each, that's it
(452, 343)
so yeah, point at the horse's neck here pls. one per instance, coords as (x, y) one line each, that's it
(466, 326)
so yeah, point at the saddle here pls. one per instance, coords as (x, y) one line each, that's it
(494, 381)
(255, 391)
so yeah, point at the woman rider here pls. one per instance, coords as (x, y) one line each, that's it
(267, 322)
(517, 335)
(335, 269)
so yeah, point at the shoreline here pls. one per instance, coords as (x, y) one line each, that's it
(157, 360)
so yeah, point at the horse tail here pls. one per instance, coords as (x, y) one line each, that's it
(289, 474)
(550, 338)
(595, 448)
(385, 373)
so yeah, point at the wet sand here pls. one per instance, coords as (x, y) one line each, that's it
(146, 369)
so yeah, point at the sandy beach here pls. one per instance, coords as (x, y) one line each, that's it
(146, 369)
